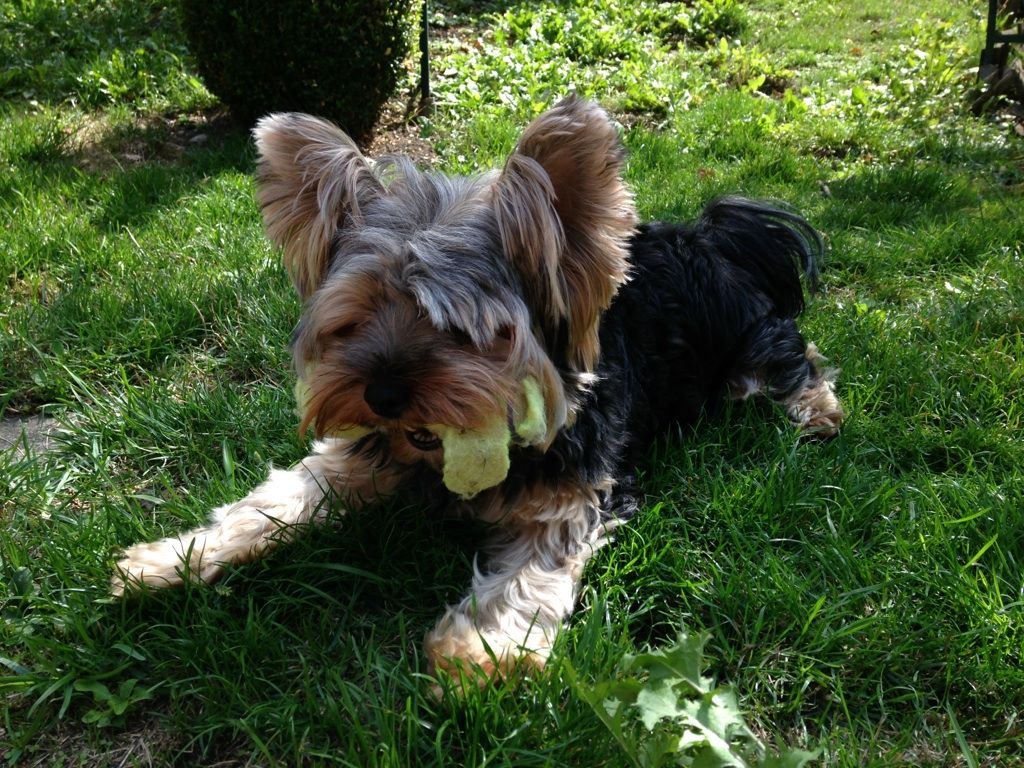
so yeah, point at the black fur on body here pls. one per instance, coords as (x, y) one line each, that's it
(707, 303)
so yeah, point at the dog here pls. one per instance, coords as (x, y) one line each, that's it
(509, 344)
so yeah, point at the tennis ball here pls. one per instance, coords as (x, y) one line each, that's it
(474, 460)
(533, 426)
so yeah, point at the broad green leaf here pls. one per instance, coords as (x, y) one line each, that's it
(99, 691)
(686, 720)
(660, 749)
(680, 662)
(658, 700)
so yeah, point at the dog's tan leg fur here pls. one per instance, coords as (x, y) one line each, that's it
(253, 526)
(815, 409)
(510, 619)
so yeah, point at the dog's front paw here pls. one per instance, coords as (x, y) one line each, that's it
(462, 655)
(165, 563)
(240, 532)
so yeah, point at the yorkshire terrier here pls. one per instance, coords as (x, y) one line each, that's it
(510, 343)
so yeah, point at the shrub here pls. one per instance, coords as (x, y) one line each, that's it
(339, 59)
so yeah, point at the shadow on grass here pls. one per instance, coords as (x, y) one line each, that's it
(149, 166)
(125, 171)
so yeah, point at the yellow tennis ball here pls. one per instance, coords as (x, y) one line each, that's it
(474, 460)
(532, 428)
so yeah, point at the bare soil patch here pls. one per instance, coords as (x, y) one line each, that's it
(37, 431)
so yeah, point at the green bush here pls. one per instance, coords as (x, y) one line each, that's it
(339, 59)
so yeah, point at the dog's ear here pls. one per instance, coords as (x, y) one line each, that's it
(565, 218)
(312, 181)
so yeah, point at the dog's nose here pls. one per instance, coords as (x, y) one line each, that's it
(388, 396)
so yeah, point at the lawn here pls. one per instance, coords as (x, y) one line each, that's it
(863, 597)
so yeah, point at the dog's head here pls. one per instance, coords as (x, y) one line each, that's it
(432, 300)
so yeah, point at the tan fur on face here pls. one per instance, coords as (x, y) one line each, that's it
(452, 384)
(355, 320)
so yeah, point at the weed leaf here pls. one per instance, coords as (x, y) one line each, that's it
(685, 718)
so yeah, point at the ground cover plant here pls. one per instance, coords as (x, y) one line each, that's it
(862, 598)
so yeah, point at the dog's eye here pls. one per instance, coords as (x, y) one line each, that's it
(423, 439)
(345, 331)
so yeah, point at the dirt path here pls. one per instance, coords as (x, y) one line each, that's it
(37, 429)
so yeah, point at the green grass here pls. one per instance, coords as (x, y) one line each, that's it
(864, 596)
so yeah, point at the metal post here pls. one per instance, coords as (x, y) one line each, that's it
(990, 30)
(996, 52)
(425, 55)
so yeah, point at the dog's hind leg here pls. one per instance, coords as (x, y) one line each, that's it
(775, 359)
(511, 617)
(253, 526)
(814, 407)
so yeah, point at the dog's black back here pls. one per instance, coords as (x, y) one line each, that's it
(706, 302)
